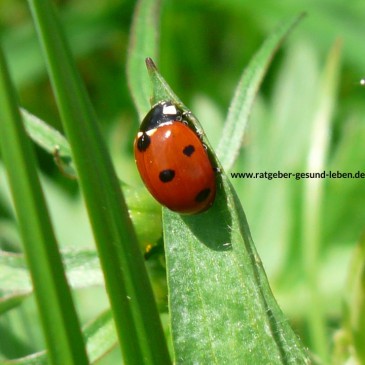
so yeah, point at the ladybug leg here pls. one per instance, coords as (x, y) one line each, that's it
(216, 169)
(187, 113)
(200, 135)
(188, 119)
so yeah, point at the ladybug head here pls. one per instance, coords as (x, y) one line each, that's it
(161, 113)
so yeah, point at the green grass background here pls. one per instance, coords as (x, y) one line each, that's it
(204, 46)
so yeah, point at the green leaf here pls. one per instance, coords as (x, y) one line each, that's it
(145, 213)
(50, 140)
(82, 270)
(100, 338)
(221, 306)
(239, 111)
(143, 44)
(44, 135)
(57, 313)
(14, 275)
(135, 313)
(220, 299)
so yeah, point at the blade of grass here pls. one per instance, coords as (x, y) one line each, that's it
(313, 199)
(355, 301)
(56, 310)
(221, 306)
(134, 309)
(100, 336)
(240, 108)
(89, 31)
(142, 44)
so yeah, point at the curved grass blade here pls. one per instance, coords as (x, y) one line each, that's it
(56, 310)
(314, 198)
(143, 43)
(82, 270)
(38, 358)
(11, 301)
(221, 306)
(355, 302)
(241, 105)
(135, 313)
(100, 338)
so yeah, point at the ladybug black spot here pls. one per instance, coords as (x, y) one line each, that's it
(167, 175)
(143, 142)
(202, 195)
(188, 150)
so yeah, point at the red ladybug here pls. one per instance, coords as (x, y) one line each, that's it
(173, 162)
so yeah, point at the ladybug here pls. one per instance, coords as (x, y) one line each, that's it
(173, 162)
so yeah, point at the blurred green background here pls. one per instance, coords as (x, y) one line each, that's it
(305, 243)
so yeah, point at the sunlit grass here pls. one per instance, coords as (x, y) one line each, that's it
(203, 62)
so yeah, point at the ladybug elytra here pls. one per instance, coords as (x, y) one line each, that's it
(173, 162)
